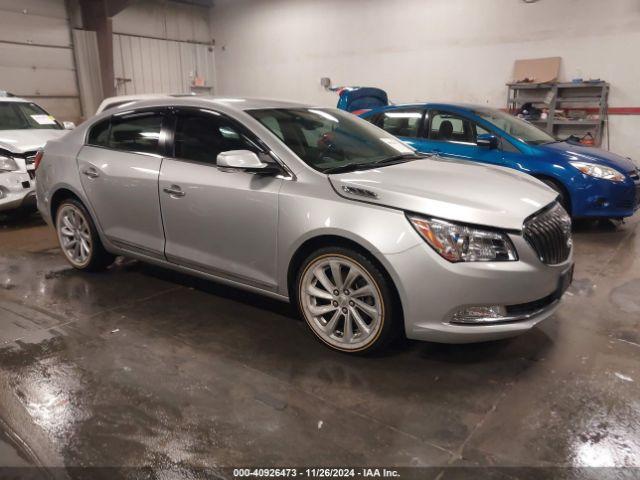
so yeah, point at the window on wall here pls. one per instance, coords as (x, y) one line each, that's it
(449, 127)
(202, 136)
(137, 133)
(401, 123)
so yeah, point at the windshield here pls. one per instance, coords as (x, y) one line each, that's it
(516, 127)
(329, 140)
(23, 115)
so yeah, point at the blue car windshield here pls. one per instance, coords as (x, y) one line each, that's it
(523, 131)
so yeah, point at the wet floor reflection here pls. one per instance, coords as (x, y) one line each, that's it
(141, 366)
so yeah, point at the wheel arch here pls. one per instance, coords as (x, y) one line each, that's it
(335, 240)
(60, 195)
(560, 184)
(64, 192)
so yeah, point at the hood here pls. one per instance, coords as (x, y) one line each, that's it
(27, 140)
(455, 190)
(573, 151)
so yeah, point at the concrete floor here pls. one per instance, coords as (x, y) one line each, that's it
(142, 367)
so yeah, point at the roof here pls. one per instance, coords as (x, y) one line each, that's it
(462, 106)
(232, 103)
(14, 99)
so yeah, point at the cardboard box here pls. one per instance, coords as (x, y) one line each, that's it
(536, 70)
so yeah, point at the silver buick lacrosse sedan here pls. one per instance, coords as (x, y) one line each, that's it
(315, 206)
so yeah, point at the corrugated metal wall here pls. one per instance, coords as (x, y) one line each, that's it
(160, 46)
(151, 65)
(89, 79)
(36, 55)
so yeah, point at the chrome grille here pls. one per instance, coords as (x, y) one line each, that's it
(549, 233)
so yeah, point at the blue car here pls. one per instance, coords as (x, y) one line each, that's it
(590, 182)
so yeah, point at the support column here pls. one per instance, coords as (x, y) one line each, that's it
(97, 16)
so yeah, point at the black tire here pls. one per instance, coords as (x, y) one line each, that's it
(98, 258)
(390, 317)
(563, 197)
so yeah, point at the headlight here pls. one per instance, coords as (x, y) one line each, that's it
(599, 171)
(7, 164)
(462, 243)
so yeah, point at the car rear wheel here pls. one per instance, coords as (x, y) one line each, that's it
(346, 300)
(79, 239)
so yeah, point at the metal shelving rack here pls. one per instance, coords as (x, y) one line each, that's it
(564, 96)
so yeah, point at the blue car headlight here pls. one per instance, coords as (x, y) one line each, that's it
(599, 171)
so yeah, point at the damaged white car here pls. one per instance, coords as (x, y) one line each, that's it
(24, 128)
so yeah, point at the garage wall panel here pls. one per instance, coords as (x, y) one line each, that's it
(421, 50)
(33, 56)
(150, 65)
(46, 8)
(164, 20)
(36, 55)
(34, 29)
(29, 82)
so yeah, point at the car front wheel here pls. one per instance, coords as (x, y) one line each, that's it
(346, 300)
(79, 239)
(562, 195)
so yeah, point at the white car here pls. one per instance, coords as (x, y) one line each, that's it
(24, 128)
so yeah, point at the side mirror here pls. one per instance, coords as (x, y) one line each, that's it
(247, 161)
(487, 140)
(68, 125)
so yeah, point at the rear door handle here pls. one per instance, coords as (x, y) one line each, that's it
(91, 172)
(174, 191)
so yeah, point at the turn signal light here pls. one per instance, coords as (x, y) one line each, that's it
(38, 159)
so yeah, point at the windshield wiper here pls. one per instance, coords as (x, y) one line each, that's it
(393, 160)
(397, 158)
(348, 167)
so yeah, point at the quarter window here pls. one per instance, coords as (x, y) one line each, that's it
(99, 134)
(401, 123)
(201, 137)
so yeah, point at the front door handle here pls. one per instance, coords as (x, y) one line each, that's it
(174, 191)
(91, 172)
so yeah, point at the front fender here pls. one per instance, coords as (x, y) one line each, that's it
(381, 231)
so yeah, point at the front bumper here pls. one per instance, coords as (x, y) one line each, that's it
(431, 289)
(602, 198)
(17, 190)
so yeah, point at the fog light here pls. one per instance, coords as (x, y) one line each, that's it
(479, 314)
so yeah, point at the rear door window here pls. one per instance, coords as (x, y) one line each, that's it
(449, 127)
(136, 132)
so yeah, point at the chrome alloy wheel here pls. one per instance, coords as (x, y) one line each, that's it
(74, 235)
(341, 302)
